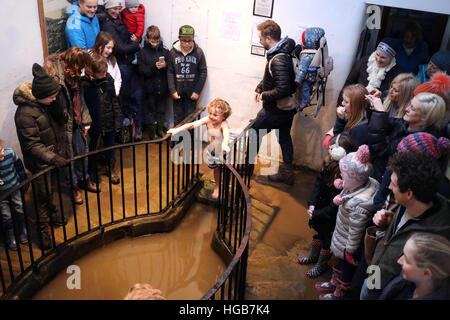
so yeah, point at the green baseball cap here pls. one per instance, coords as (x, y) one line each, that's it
(186, 30)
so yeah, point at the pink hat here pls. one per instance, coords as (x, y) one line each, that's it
(356, 168)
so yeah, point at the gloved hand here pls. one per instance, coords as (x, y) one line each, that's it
(350, 259)
(59, 161)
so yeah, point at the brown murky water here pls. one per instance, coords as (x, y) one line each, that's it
(180, 263)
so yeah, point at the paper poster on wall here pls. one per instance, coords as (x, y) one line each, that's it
(231, 26)
(263, 8)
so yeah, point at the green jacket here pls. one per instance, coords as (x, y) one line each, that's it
(390, 248)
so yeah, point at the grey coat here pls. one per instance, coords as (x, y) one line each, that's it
(352, 218)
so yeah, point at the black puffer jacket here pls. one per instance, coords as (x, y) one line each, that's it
(35, 130)
(154, 80)
(103, 104)
(281, 83)
(125, 48)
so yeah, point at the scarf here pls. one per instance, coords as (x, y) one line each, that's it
(377, 74)
(76, 97)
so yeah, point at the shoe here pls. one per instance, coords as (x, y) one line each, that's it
(160, 130)
(11, 239)
(77, 195)
(114, 177)
(23, 235)
(285, 175)
(58, 219)
(329, 286)
(313, 256)
(321, 266)
(138, 135)
(46, 242)
(342, 292)
(91, 186)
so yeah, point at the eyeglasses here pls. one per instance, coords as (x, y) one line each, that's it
(186, 41)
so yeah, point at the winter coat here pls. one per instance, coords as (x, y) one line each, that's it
(390, 248)
(154, 80)
(358, 133)
(81, 31)
(35, 130)
(312, 41)
(186, 74)
(410, 63)
(125, 48)
(282, 81)
(352, 218)
(65, 98)
(103, 104)
(135, 22)
(401, 289)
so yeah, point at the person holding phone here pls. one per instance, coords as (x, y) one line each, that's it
(152, 68)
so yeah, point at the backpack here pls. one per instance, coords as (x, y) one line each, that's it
(289, 102)
(322, 61)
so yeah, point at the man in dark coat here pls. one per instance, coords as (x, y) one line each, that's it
(39, 142)
(277, 83)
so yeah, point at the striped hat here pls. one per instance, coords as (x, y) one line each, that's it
(386, 46)
(424, 142)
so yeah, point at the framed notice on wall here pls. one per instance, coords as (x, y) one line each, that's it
(263, 8)
(258, 50)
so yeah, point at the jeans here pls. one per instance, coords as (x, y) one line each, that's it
(5, 208)
(79, 147)
(131, 94)
(267, 120)
(182, 108)
(154, 109)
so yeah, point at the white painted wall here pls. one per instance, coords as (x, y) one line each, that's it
(232, 72)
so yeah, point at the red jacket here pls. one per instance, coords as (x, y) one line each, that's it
(135, 22)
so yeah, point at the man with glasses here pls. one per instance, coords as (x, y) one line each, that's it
(186, 73)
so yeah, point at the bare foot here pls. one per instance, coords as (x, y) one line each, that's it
(215, 194)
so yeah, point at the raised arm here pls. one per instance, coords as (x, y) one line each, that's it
(188, 126)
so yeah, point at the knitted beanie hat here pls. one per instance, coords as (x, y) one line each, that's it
(424, 142)
(442, 60)
(186, 30)
(439, 84)
(356, 168)
(43, 85)
(132, 3)
(386, 46)
(113, 3)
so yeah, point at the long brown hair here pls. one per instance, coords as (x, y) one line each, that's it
(73, 61)
(103, 38)
(356, 94)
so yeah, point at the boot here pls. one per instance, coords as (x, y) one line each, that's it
(138, 135)
(330, 286)
(285, 175)
(160, 130)
(313, 256)
(58, 219)
(9, 234)
(152, 132)
(46, 242)
(342, 292)
(23, 235)
(114, 176)
(321, 266)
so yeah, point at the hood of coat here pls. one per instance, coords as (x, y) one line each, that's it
(74, 10)
(23, 95)
(286, 45)
(177, 47)
(149, 46)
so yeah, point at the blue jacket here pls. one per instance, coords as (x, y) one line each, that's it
(410, 63)
(81, 31)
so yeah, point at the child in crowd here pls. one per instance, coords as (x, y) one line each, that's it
(105, 46)
(143, 291)
(218, 131)
(321, 209)
(133, 17)
(152, 67)
(425, 270)
(104, 108)
(12, 173)
(355, 202)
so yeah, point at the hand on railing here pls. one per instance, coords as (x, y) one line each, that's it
(59, 161)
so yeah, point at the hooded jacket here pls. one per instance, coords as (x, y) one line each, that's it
(39, 139)
(154, 79)
(81, 31)
(125, 48)
(103, 104)
(281, 83)
(186, 74)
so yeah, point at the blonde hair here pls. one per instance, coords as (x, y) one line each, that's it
(432, 252)
(356, 94)
(432, 108)
(222, 105)
(407, 83)
(143, 291)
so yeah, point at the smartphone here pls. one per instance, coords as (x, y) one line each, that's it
(161, 59)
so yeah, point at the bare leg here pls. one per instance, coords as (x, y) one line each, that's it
(215, 194)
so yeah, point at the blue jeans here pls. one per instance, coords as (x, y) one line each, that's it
(131, 94)
(283, 122)
(182, 108)
(5, 208)
(79, 147)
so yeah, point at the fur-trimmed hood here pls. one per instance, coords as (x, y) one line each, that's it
(23, 95)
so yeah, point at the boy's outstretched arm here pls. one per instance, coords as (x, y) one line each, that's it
(188, 126)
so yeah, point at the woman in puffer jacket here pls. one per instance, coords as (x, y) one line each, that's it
(355, 211)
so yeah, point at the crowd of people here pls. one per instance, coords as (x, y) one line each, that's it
(387, 151)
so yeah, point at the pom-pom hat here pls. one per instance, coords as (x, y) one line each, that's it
(356, 168)
(426, 143)
(439, 84)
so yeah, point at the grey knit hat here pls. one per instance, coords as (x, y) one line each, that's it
(113, 3)
(132, 3)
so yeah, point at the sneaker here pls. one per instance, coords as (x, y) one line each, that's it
(92, 186)
(138, 135)
(77, 195)
(325, 287)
